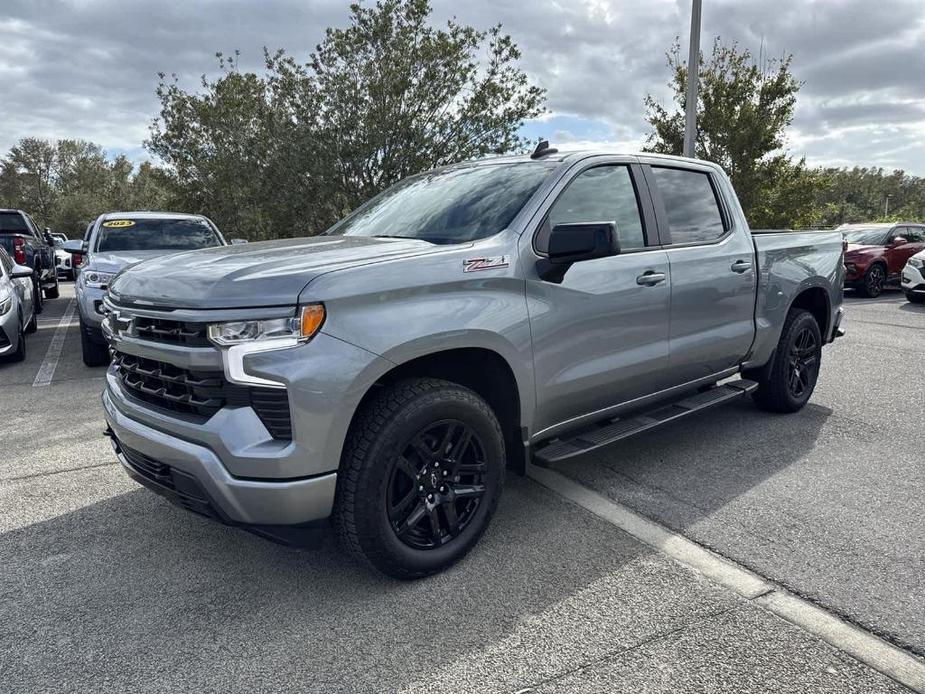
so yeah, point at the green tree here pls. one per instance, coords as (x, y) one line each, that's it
(288, 152)
(67, 183)
(743, 111)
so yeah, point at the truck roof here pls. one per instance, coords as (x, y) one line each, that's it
(577, 154)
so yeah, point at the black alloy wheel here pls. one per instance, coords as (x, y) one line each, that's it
(436, 484)
(874, 279)
(804, 363)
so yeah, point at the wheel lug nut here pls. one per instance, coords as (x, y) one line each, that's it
(430, 497)
(421, 488)
(445, 473)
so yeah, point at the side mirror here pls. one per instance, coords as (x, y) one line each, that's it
(238, 242)
(20, 272)
(76, 246)
(573, 243)
(900, 240)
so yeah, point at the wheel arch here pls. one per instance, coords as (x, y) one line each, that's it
(816, 300)
(482, 370)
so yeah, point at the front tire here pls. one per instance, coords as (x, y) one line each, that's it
(915, 298)
(420, 477)
(20, 353)
(37, 294)
(93, 354)
(789, 383)
(872, 284)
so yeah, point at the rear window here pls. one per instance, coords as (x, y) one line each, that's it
(13, 223)
(691, 205)
(128, 234)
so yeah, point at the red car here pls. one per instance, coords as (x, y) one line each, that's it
(877, 253)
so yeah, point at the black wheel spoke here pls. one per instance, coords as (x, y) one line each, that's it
(447, 440)
(477, 468)
(399, 509)
(434, 517)
(468, 491)
(416, 515)
(406, 467)
(452, 519)
(422, 449)
(461, 445)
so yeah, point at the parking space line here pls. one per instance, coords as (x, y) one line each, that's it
(862, 645)
(47, 369)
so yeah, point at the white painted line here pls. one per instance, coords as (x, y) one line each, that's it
(47, 369)
(862, 645)
(708, 563)
(867, 648)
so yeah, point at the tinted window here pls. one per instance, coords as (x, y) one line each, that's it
(913, 234)
(450, 206)
(128, 234)
(601, 194)
(691, 205)
(13, 222)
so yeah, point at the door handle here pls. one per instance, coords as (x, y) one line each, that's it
(650, 278)
(741, 266)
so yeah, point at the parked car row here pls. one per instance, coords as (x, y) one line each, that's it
(879, 254)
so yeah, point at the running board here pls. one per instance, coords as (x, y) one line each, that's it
(609, 431)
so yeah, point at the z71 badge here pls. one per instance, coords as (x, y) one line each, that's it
(476, 264)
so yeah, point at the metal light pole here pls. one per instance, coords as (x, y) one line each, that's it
(693, 79)
(886, 211)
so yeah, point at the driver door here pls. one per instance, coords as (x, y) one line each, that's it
(600, 337)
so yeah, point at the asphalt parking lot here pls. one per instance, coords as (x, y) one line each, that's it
(106, 587)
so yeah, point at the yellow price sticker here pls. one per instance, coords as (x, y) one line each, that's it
(119, 223)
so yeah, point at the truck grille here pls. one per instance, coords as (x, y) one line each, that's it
(200, 393)
(176, 332)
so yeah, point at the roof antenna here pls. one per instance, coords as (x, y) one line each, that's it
(542, 149)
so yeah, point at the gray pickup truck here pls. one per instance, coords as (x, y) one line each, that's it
(488, 315)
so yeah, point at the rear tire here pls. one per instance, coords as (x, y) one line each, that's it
(37, 294)
(413, 497)
(915, 298)
(93, 353)
(872, 283)
(55, 291)
(789, 382)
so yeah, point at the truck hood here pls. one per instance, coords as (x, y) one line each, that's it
(854, 250)
(113, 262)
(269, 273)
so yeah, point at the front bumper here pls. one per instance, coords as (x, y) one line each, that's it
(913, 280)
(90, 307)
(199, 481)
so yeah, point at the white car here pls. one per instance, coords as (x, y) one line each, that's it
(62, 258)
(913, 278)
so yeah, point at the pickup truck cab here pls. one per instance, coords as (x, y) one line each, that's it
(28, 246)
(115, 241)
(488, 315)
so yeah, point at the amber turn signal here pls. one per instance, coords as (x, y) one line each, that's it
(310, 320)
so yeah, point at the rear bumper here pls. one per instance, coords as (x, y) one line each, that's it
(195, 478)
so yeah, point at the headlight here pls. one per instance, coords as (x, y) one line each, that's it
(917, 262)
(291, 330)
(5, 305)
(98, 280)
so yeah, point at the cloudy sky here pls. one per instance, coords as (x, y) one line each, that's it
(87, 68)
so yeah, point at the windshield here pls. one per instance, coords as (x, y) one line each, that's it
(449, 206)
(869, 236)
(117, 235)
(13, 222)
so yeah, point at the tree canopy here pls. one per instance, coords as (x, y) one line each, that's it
(743, 111)
(288, 152)
(68, 183)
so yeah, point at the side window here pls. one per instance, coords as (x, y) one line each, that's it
(913, 234)
(601, 194)
(691, 205)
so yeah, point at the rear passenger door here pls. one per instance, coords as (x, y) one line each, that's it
(900, 253)
(713, 273)
(600, 337)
